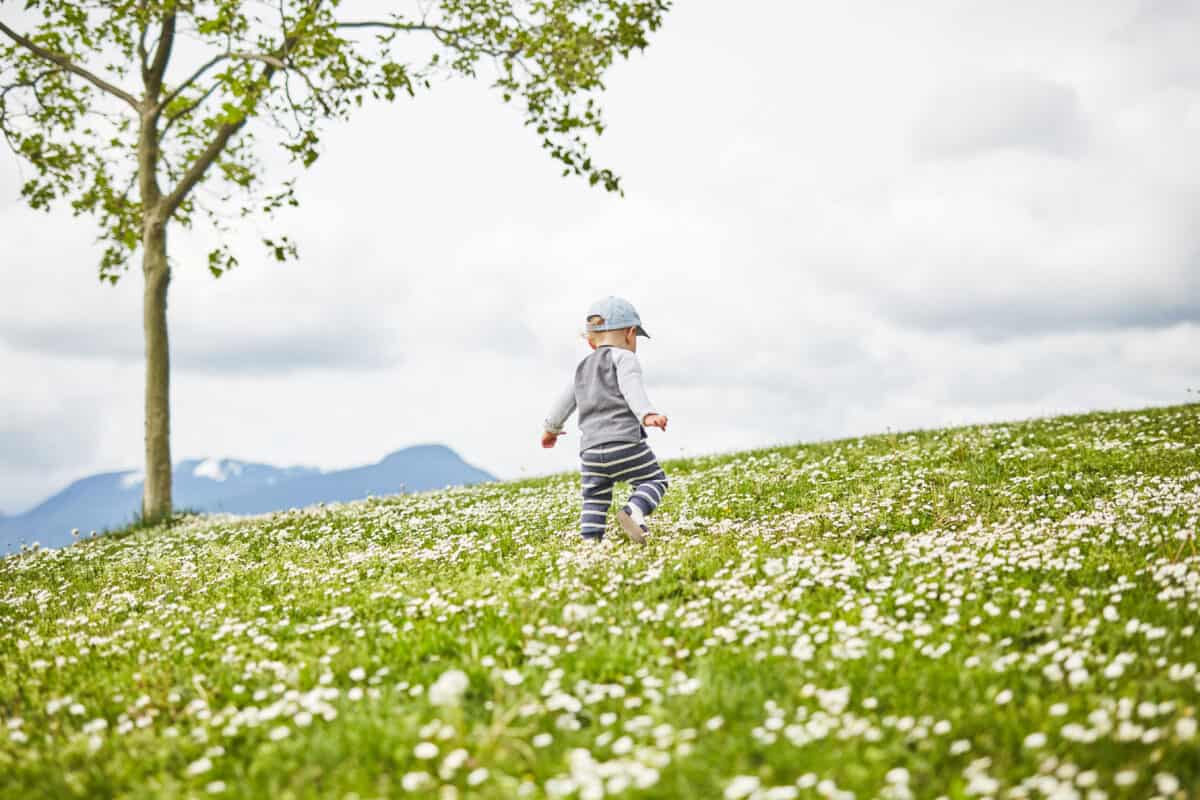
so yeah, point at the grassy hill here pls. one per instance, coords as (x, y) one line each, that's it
(1004, 611)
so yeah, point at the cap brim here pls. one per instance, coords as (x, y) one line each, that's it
(642, 332)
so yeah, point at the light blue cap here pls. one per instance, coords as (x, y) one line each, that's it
(618, 314)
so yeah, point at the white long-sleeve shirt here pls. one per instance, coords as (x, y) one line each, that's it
(610, 396)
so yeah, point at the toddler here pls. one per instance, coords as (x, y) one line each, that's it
(614, 413)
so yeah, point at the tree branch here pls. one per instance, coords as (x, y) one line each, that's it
(162, 53)
(312, 89)
(195, 76)
(266, 59)
(205, 67)
(190, 107)
(395, 26)
(66, 63)
(29, 84)
(446, 36)
(274, 61)
(193, 175)
(12, 87)
(143, 55)
(205, 160)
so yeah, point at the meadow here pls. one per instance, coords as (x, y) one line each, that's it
(1002, 611)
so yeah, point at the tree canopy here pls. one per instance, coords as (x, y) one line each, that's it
(105, 98)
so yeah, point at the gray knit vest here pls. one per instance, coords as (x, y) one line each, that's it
(604, 415)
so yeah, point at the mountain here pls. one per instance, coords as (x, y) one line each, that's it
(112, 499)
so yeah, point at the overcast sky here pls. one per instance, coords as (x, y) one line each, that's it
(840, 218)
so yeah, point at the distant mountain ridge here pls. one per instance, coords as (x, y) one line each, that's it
(112, 499)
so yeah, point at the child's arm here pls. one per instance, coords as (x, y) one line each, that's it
(563, 408)
(629, 381)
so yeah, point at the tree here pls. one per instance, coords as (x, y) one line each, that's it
(123, 108)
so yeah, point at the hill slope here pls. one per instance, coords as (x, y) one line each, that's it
(1007, 610)
(113, 499)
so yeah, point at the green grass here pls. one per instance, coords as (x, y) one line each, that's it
(1004, 610)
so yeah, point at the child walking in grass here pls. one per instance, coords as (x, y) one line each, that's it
(614, 413)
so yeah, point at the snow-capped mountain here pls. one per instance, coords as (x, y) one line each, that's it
(112, 499)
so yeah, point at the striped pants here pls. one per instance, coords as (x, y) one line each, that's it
(632, 462)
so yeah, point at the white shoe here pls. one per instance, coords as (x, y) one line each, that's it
(634, 527)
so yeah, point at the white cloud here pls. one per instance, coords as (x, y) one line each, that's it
(1004, 112)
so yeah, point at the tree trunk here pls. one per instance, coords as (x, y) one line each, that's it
(156, 494)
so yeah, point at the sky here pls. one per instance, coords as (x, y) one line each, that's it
(839, 219)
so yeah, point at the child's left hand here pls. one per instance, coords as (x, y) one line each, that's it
(549, 439)
(655, 421)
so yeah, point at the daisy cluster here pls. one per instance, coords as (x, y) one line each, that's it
(1006, 611)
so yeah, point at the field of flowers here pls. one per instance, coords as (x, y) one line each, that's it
(1001, 611)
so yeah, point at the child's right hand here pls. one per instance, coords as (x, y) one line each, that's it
(550, 439)
(655, 421)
